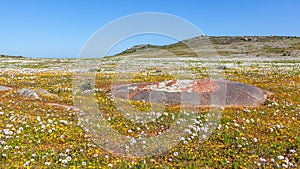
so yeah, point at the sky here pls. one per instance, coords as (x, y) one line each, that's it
(60, 28)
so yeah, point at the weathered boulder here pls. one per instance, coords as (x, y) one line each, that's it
(200, 92)
(4, 88)
(27, 93)
(45, 93)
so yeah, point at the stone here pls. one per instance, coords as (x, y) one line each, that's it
(42, 92)
(200, 92)
(27, 93)
(4, 88)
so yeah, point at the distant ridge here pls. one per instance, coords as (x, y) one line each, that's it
(10, 56)
(228, 45)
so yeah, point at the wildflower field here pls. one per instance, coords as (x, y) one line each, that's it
(47, 133)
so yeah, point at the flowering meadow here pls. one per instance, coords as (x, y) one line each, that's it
(47, 133)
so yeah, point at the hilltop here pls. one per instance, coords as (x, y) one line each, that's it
(265, 46)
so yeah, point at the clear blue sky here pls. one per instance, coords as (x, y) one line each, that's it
(59, 28)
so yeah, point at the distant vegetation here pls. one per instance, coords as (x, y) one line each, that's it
(10, 56)
(233, 39)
